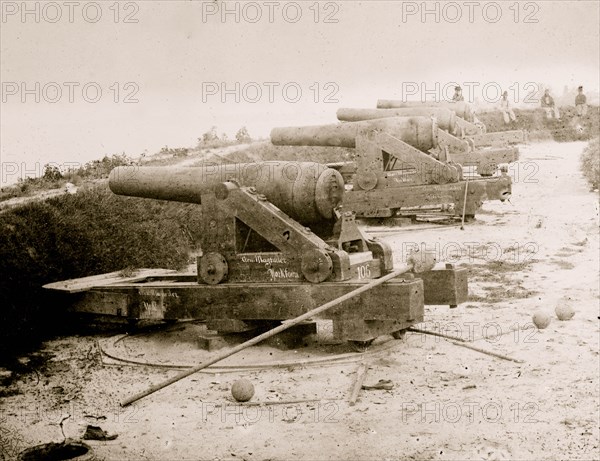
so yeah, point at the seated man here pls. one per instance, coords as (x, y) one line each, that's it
(457, 94)
(548, 105)
(507, 112)
(581, 103)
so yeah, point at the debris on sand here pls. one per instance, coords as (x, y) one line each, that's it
(97, 433)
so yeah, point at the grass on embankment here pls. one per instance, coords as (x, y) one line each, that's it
(89, 233)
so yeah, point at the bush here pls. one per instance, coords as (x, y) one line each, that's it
(52, 173)
(98, 169)
(210, 136)
(175, 152)
(242, 136)
(72, 236)
(53, 178)
(590, 163)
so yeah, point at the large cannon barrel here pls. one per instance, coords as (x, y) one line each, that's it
(446, 118)
(419, 132)
(461, 108)
(306, 191)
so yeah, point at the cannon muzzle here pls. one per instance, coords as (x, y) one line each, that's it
(419, 132)
(460, 108)
(446, 118)
(306, 191)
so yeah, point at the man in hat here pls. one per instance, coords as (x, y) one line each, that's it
(548, 106)
(581, 103)
(507, 112)
(457, 94)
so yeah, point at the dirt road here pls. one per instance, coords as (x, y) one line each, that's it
(448, 402)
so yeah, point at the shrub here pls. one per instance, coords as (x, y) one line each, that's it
(98, 169)
(590, 163)
(209, 136)
(175, 152)
(72, 236)
(52, 173)
(242, 136)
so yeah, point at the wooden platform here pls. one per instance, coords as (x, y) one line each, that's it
(86, 283)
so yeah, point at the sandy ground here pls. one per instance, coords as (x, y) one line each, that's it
(448, 403)
(20, 201)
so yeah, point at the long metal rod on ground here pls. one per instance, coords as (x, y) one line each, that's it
(276, 402)
(461, 342)
(434, 333)
(483, 351)
(268, 334)
(361, 374)
(462, 223)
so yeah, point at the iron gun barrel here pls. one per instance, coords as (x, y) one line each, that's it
(461, 108)
(306, 191)
(419, 132)
(446, 118)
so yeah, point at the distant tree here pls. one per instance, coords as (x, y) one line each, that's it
(224, 137)
(52, 172)
(210, 135)
(242, 135)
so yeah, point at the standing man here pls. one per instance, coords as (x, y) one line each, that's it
(548, 106)
(457, 94)
(507, 112)
(581, 103)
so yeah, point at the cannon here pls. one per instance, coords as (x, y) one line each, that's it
(305, 190)
(419, 132)
(460, 108)
(468, 123)
(485, 160)
(276, 241)
(393, 174)
(445, 118)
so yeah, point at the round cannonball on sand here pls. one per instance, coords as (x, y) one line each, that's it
(242, 390)
(541, 320)
(564, 312)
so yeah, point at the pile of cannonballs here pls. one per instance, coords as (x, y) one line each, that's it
(564, 311)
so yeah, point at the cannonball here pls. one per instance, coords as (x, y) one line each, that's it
(242, 390)
(564, 312)
(541, 319)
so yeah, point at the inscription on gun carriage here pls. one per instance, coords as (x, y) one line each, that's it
(273, 267)
(266, 260)
(283, 273)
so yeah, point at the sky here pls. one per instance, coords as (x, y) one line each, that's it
(82, 80)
